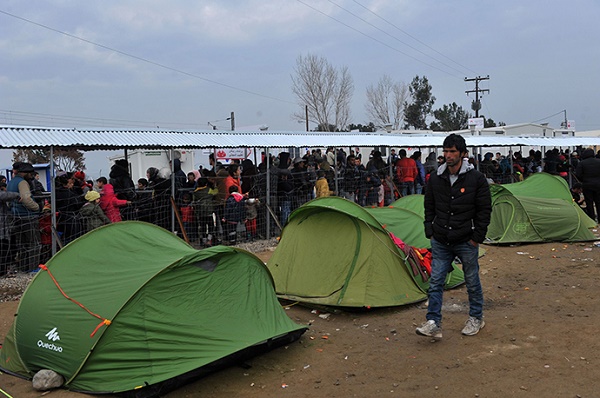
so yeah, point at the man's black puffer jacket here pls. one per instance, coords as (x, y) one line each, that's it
(457, 213)
(588, 170)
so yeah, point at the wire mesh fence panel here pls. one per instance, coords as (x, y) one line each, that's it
(199, 215)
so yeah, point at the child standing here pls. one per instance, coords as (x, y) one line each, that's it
(234, 214)
(109, 202)
(93, 216)
(46, 233)
(187, 217)
(322, 186)
(204, 207)
(251, 215)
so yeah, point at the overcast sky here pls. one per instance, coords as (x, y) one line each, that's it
(183, 64)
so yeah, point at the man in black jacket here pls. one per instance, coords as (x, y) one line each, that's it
(457, 214)
(588, 173)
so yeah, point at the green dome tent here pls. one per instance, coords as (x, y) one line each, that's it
(404, 218)
(333, 252)
(131, 305)
(413, 203)
(538, 209)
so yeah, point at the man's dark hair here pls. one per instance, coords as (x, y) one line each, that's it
(102, 180)
(402, 153)
(457, 141)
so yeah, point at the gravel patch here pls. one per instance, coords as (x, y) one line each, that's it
(13, 286)
(259, 245)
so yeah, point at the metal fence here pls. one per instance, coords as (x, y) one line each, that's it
(26, 242)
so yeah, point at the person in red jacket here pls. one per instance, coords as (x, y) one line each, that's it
(406, 173)
(232, 179)
(109, 202)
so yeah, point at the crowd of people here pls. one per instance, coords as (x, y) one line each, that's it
(502, 169)
(223, 204)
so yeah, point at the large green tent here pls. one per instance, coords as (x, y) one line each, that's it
(131, 305)
(333, 252)
(538, 209)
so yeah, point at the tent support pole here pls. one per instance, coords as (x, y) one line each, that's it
(510, 159)
(171, 163)
(268, 193)
(335, 171)
(53, 199)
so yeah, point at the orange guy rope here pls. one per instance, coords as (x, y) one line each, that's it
(104, 320)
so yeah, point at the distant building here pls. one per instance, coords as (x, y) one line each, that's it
(142, 159)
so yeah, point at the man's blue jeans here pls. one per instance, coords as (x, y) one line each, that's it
(442, 257)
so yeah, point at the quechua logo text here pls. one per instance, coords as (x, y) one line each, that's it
(52, 336)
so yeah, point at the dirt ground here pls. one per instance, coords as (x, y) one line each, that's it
(540, 340)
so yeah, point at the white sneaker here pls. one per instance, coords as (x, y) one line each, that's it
(430, 329)
(473, 326)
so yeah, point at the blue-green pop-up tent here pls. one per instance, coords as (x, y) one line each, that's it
(131, 307)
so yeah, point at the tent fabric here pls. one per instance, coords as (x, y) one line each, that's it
(538, 209)
(172, 309)
(405, 218)
(333, 252)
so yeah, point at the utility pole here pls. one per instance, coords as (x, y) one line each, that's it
(232, 121)
(476, 104)
(306, 116)
(565, 124)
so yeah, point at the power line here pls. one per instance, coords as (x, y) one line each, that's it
(144, 59)
(374, 39)
(548, 117)
(390, 35)
(414, 38)
(36, 117)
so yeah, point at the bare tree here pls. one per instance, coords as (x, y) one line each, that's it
(325, 90)
(385, 102)
(68, 159)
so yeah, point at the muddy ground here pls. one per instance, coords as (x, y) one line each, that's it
(541, 340)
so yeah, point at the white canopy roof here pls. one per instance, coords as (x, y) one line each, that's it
(101, 139)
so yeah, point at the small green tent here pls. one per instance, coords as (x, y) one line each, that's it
(336, 253)
(131, 305)
(538, 209)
